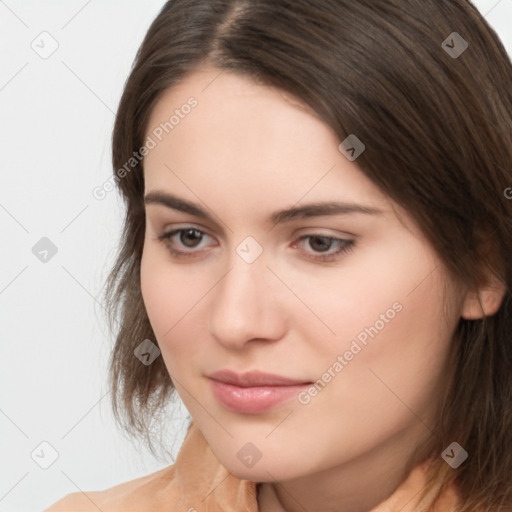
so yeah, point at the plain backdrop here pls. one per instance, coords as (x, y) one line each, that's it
(62, 68)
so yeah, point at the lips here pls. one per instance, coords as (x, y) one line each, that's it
(254, 378)
(253, 392)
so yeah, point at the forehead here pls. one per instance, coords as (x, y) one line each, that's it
(242, 142)
(207, 82)
(249, 119)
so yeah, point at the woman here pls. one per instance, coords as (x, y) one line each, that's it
(315, 257)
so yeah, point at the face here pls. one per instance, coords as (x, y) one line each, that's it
(348, 302)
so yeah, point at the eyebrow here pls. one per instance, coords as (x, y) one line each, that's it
(317, 209)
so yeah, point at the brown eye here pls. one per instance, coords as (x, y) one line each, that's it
(179, 240)
(321, 247)
(190, 237)
(320, 243)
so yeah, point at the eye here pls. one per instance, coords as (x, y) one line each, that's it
(186, 237)
(178, 240)
(321, 245)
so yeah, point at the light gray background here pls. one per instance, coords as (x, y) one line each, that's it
(56, 120)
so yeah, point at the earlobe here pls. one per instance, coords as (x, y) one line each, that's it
(484, 301)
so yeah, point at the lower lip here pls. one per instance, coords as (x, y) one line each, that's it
(253, 400)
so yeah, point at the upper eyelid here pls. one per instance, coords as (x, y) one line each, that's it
(307, 230)
(175, 230)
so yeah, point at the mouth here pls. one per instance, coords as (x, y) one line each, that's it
(253, 392)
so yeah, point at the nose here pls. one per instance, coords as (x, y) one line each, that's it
(247, 305)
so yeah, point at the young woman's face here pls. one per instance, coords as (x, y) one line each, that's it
(352, 304)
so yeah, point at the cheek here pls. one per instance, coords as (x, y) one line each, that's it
(377, 290)
(156, 293)
(412, 356)
(391, 331)
(172, 295)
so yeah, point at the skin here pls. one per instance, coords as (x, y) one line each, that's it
(243, 152)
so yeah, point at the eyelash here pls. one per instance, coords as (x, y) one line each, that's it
(345, 245)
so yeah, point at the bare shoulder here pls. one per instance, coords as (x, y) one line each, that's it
(135, 495)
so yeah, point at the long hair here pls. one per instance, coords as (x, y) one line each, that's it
(426, 84)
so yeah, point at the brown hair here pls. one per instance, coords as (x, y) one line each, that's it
(438, 134)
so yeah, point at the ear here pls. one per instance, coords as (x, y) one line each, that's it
(485, 301)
